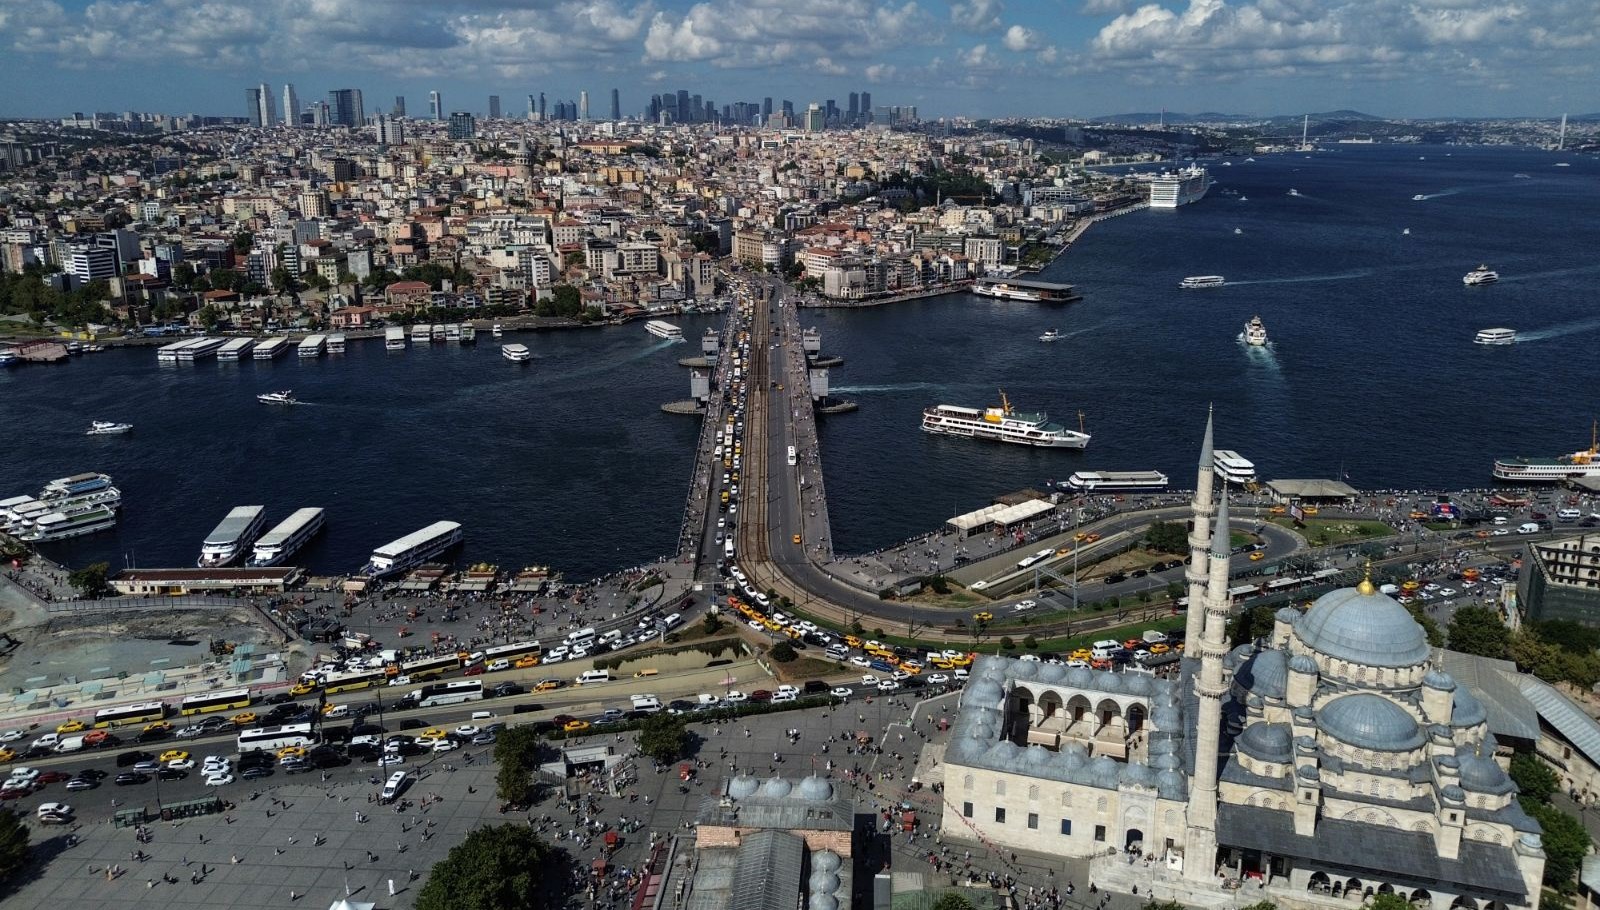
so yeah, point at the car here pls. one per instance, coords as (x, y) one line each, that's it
(94, 774)
(474, 671)
(960, 673)
(172, 755)
(52, 777)
(291, 752)
(1023, 606)
(484, 739)
(390, 760)
(129, 778)
(71, 726)
(736, 697)
(11, 736)
(47, 742)
(575, 726)
(870, 680)
(299, 689)
(148, 766)
(433, 733)
(888, 685)
(508, 688)
(159, 726)
(258, 759)
(295, 766)
(467, 731)
(181, 764)
(132, 758)
(938, 679)
(526, 661)
(172, 774)
(219, 780)
(761, 695)
(1257, 556)
(82, 783)
(983, 616)
(796, 538)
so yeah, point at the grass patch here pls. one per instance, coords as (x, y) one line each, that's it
(1333, 531)
(804, 668)
(989, 642)
(958, 599)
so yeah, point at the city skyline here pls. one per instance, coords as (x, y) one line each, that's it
(947, 57)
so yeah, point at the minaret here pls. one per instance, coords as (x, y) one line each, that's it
(1200, 537)
(1200, 841)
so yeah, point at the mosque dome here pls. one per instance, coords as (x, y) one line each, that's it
(1052, 673)
(1025, 669)
(1482, 775)
(983, 692)
(776, 786)
(1369, 721)
(825, 861)
(822, 900)
(743, 786)
(823, 882)
(1364, 627)
(1138, 774)
(1466, 711)
(1287, 614)
(1435, 679)
(816, 789)
(1267, 742)
(1303, 663)
(1104, 772)
(1170, 784)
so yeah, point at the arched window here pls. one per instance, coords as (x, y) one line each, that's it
(1033, 792)
(1102, 804)
(966, 782)
(1000, 788)
(1066, 799)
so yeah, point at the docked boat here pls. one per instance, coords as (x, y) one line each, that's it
(498, 330)
(420, 333)
(271, 349)
(7, 357)
(452, 332)
(1480, 276)
(1026, 290)
(665, 330)
(1116, 481)
(200, 349)
(436, 333)
(63, 525)
(1197, 282)
(518, 353)
(78, 485)
(1233, 467)
(336, 343)
(284, 397)
(234, 349)
(469, 333)
(1255, 332)
(283, 541)
(1577, 466)
(394, 338)
(227, 541)
(1002, 424)
(1170, 190)
(1051, 335)
(313, 346)
(1496, 336)
(107, 428)
(413, 549)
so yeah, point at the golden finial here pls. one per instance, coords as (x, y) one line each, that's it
(1367, 588)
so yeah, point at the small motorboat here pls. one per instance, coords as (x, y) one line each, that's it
(107, 428)
(284, 397)
(1051, 335)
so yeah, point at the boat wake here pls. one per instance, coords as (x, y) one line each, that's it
(1552, 273)
(1342, 276)
(1559, 331)
(896, 387)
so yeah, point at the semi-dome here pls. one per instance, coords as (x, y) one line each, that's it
(776, 786)
(1267, 742)
(1286, 614)
(1303, 663)
(743, 786)
(1438, 679)
(1364, 627)
(1369, 721)
(1466, 710)
(1482, 775)
(816, 789)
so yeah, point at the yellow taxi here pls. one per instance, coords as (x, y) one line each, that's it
(173, 755)
(910, 668)
(1081, 654)
(7, 755)
(1160, 648)
(1064, 551)
(1310, 510)
(244, 718)
(1277, 510)
(71, 726)
(549, 685)
(159, 726)
(964, 660)
(982, 616)
(292, 752)
(433, 733)
(796, 538)
(1257, 556)
(575, 726)
(526, 661)
(853, 641)
(303, 688)
(1091, 538)
(1081, 535)
(942, 663)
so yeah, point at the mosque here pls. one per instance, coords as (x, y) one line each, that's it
(1329, 761)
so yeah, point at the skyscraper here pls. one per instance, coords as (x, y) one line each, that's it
(435, 105)
(583, 105)
(345, 108)
(391, 131)
(265, 114)
(533, 106)
(494, 107)
(541, 106)
(399, 106)
(252, 100)
(816, 118)
(462, 126)
(616, 105)
(766, 108)
(866, 107)
(291, 106)
(680, 109)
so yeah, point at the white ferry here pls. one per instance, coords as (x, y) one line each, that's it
(234, 349)
(394, 338)
(108, 428)
(1172, 189)
(498, 331)
(313, 345)
(452, 332)
(1496, 336)
(200, 349)
(518, 353)
(665, 330)
(1001, 424)
(336, 343)
(62, 525)
(1255, 332)
(1233, 467)
(1196, 282)
(1577, 466)
(420, 334)
(287, 538)
(436, 333)
(413, 549)
(1419, 198)
(224, 544)
(76, 486)
(1107, 481)
(1026, 290)
(271, 349)
(469, 333)
(1480, 276)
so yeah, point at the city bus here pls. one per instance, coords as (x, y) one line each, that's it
(214, 701)
(360, 679)
(512, 651)
(274, 738)
(122, 715)
(425, 667)
(450, 693)
(792, 460)
(1044, 554)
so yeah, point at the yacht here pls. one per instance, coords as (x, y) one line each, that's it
(1001, 424)
(413, 549)
(517, 353)
(1238, 231)
(1255, 332)
(228, 540)
(1194, 282)
(1496, 336)
(1233, 467)
(1406, 231)
(287, 538)
(1293, 191)
(107, 428)
(284, 397)
(1051, 335)
(1418, 198)
(1577, 466)
(1480, 276)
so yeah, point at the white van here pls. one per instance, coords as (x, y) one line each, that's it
(581, 636)
(392, 787)
(1501, 519)
(727, 548)
(611, 636)
(1530, 527)
(648, 704)
(70, 744)
(1568, 515)
(593, 676)
(672, 620)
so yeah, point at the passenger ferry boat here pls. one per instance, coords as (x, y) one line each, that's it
(227, 541)
(394, 338)
(1576, 466)
(1233, 467)
(1107, 481)
(284, 397)
(107, 428)
(413, 549)
(1026, 290)
(1001, 424)
(1196, 282)
(436, 333)
(452, 332)
(62, 525)
(313, 346)
(1496, 336)
(469, 333)
(498, 330)
(235, 349)
(1172, 189)
(271, 349)
(665, 330)
(517, 353)
(1480, 276)
(287, 538)
(336, 343)
(1255, 332)
(420, 333)
(76, 486)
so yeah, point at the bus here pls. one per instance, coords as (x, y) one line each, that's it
(425, 667)
(450, 693)
(512, 651)
(792, 459)
(219, 701)
(360, 679)
(122, 715)
(274, 738)
(1044, 554)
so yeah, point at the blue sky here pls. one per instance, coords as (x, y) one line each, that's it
(948, 57)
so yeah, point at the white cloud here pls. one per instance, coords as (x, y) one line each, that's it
(826, 65)
(977, 15)
(1049, 55)
(1019, 39)
(683, 41)
(880, 72)
(977, 56)
(1455, 26)
(1104, 7)
(766, 33)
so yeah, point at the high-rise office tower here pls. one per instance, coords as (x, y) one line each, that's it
(616, 105)
(830, 111)
(866, 107)
(252, 100)
(266, 113)
(319, 113)
(681, 108)
(462, 126)
(494, 107)
(345, 108)
(533, 106)
(435, 105)
(541, 106)
(787, 108)
(583, 105)
(399, 106)
(816, 118)
(855, 106)
(391, 130)
(291, 106)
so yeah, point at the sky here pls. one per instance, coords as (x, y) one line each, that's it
(974, 58)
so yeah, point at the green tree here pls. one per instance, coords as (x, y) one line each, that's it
(91, 580)
(1419, 612)
(13, 844)
(502, 867)
(713, 624)
(183, 274)
(1163, 905)
(1260, 905)
(783, 652)
(1387, 900)
(1536, 781)
(663, 737)
(1167, 537)
(516, 753)
(952, 900)
(1565, 845)
(1478, 630)
(281, 279)
(1030, 643)
(227, 280)
(209, 316)
(243, 241)
(1006, 644)
(315, 280)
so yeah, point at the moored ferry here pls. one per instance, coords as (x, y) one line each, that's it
(75, 486)
(1577, 466)
(420, 333)
(1233, 467)
(271, 349)
(469, 333)
(287, 538)
(1001, 424)
(1108, 481)
(394, 338)
(234, 349)
(662, 329)
(313, 346)
(62, 525)
(336, 343)
(1026, 290)
(413, 549)
(227, 541)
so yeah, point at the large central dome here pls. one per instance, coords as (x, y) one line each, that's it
(1364, 627)
(1369, 721)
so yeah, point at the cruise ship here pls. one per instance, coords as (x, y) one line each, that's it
(62, 525)
(1026, 290)
(1496, 336)
(1001, 424)
(1577, 466)
(1197, 282)
(1255, 332)
(665, 330)
(1170, 190)
(287, 538)
(394, 338)
(413, 549)
(224, 544)
(1120, 481)
(1233, 467)
(1480, 276)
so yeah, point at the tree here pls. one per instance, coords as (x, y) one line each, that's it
(1536, 781)
(1260, 905)
(243, 241)
(281, 279)
(209, 316)
(516, 752)
(952, 900)
(663, 737)
(1167, 537)
(1565, 844)
(316, 280)
(713, 624)
(183, 274)
(1006, 644)
(1387, 900)
(503, 867)
(1429, 627)
(1163, 905)
(783, 652)
(13, 844)
(91, 580)
(1031, 643)
(1478, 630)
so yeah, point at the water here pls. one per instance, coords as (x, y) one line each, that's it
(566, 461)
(1372, 372)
